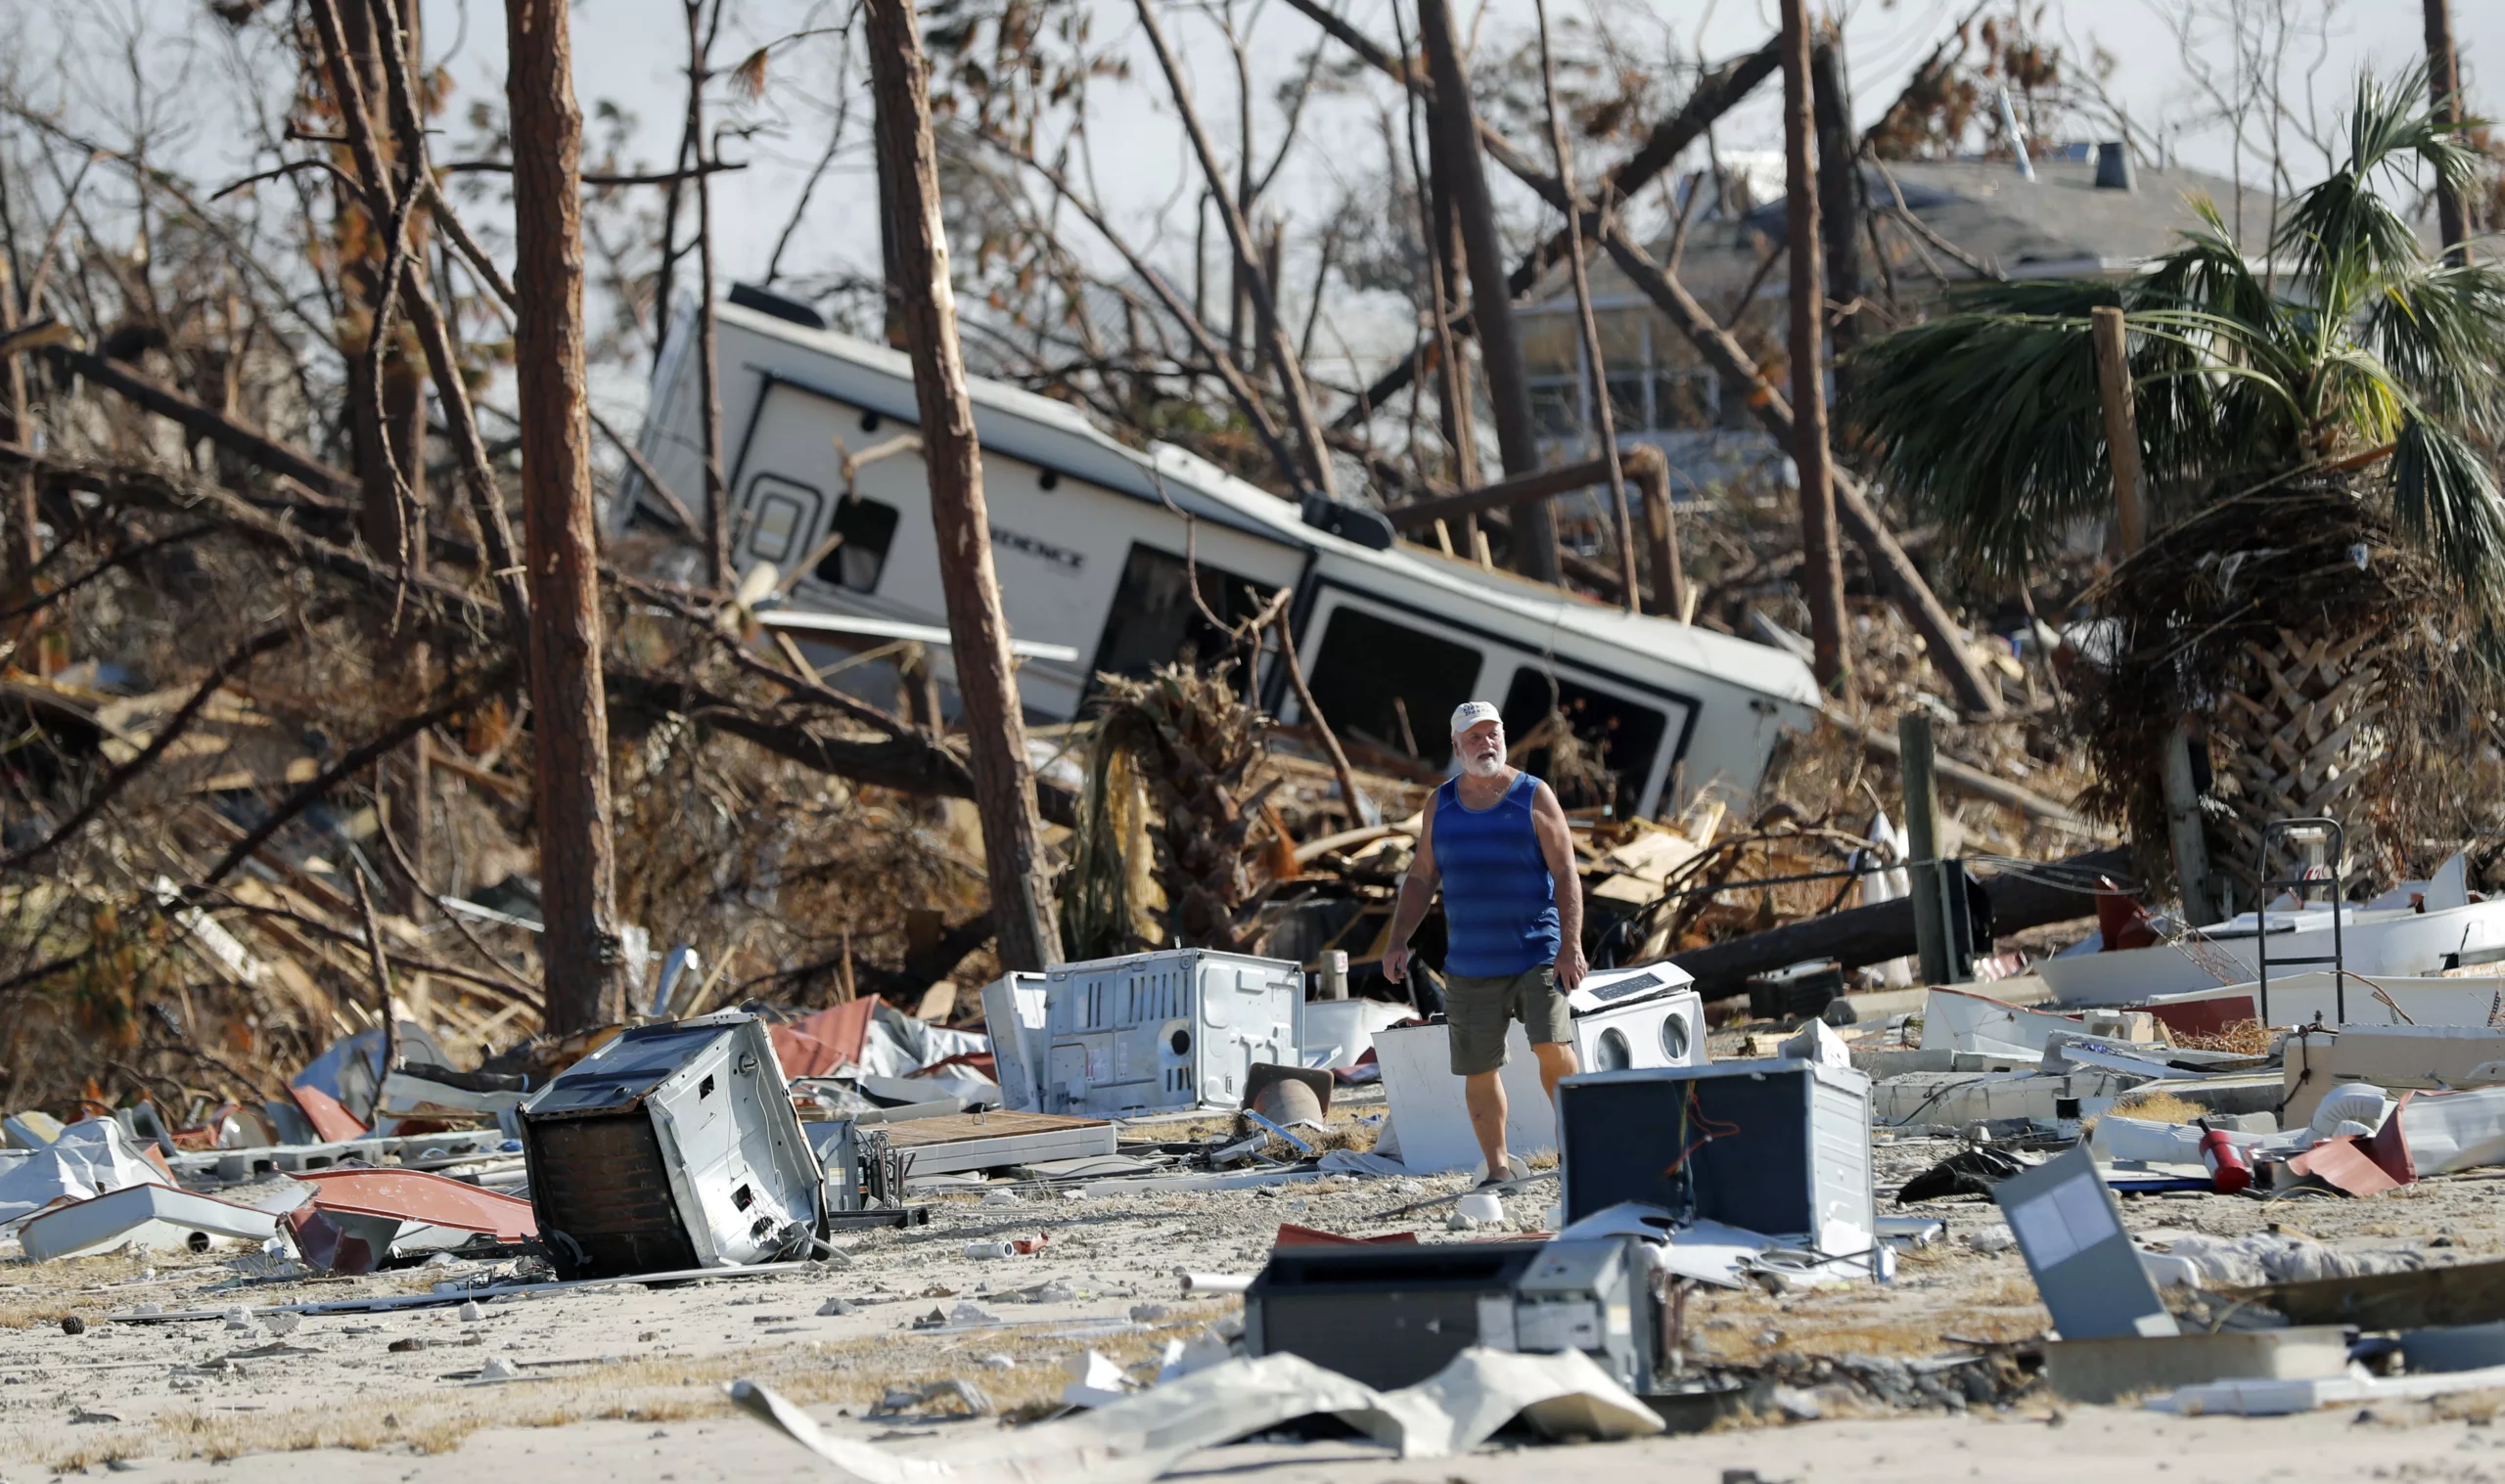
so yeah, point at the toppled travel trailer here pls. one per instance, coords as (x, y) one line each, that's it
(1090, 539)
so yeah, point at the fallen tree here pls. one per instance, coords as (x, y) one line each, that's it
(2056, 891)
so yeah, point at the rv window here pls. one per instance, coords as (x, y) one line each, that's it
(868, 530)
(779, 516)
(1620, 739)
(1154, 622)
(1391, 686)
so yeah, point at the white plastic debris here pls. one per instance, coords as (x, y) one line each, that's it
(238, 1317)
(1818, 1042)
(496, 1367)
(470, 1312)
(2350, 1102)
(1094, 1381)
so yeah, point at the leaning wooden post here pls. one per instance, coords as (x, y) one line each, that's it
(1922, 837)
(1021, 900)
(1651, 471)
(2183, 825)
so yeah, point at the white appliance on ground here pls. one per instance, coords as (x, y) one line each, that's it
(1646, 1016)
(1154, 1031)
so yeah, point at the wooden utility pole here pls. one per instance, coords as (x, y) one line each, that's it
(1454, 140)
(2185, 832)
(1022, 902)
(2444, 86)
(708, 366)
(1821, 559)
(583, 963)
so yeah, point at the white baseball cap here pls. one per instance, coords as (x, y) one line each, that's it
(1470, 714)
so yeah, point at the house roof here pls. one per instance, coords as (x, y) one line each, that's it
(2059, 225)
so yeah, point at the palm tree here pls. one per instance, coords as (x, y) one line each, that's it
(2319, 443)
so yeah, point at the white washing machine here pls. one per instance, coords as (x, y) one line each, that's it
(1647, 1016)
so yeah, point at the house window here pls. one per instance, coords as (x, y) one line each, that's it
(1391, 685)
(868, 528)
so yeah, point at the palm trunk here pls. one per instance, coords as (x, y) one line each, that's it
(1021, 903)
(580, 950)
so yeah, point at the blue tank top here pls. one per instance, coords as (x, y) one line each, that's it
(1500, 905)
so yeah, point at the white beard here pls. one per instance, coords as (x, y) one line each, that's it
(1483, 767)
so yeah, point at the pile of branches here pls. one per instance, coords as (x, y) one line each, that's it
(2207, 609)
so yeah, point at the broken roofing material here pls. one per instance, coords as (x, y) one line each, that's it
(672, 1146)
(359, 1220)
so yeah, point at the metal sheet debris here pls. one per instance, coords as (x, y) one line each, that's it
(1143, 1435)
(147, 1215)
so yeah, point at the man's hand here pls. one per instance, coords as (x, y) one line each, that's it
(1571, 966)
(1395, 962)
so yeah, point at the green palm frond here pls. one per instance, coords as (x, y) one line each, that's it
(2444, 495)
(2438, 328)
(1990, 422)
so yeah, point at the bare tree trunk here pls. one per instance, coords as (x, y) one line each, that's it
(26, 545)
(1453, 137)
(1821, 565)
(1247, 264)
(584, 964)
(1604, 414)
(1021, 900)
(1840, 194)
(891, 283)
(2445, 82)
(708, 367)
(387, 417)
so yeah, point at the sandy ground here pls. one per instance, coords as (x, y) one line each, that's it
(629, 1379)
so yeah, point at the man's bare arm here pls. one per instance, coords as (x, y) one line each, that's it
(1557, 846)
(1417, 894)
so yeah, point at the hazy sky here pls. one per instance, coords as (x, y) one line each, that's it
(631, 50)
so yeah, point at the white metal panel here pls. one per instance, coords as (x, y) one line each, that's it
(1176, 1029)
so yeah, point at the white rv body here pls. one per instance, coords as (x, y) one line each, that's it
(1089, 539)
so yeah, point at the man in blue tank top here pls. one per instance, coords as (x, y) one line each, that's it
(1496, 838)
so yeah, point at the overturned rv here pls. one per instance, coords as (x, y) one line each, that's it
(1090, 538)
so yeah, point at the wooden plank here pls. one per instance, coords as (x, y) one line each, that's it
(2469, 1293)
(957, 1142)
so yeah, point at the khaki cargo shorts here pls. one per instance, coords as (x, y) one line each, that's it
(1476, 1011)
